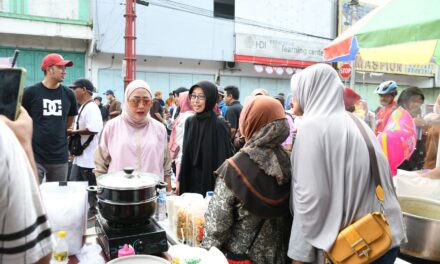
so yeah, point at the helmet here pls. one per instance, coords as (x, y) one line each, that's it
(387, 87)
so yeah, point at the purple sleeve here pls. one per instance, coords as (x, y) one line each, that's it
(289, 139)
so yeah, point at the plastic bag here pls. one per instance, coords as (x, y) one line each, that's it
(411, 183)
(184, 254)
(66, 210)
(90, 254)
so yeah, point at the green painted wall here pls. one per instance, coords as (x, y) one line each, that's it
(30, 59)
(25, 6)
(83, 10)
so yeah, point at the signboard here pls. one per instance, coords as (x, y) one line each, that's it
(394, 68)
(282, 29)
(272, 47)
(345, 71)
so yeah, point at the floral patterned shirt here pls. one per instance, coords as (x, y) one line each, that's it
(231, 228)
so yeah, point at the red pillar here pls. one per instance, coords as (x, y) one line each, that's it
(130, 41)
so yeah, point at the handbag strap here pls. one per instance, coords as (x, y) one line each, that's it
(374, 169)
(90, 138)
(87, 143)
(79, 114)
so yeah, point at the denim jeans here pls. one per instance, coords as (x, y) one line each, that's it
(389, 257)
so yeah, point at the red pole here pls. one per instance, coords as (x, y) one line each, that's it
(130, 39)
(134, 40)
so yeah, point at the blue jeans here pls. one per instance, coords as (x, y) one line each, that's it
(389, 257)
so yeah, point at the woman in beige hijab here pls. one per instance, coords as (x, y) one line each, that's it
(331, 182)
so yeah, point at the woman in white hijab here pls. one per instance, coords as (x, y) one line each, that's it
(331, 182)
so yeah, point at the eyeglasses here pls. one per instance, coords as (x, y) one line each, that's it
(135, 101)
(200, 97)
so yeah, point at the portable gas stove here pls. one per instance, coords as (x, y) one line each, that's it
(146, 237)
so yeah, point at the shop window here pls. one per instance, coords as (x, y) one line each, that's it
(224, 8)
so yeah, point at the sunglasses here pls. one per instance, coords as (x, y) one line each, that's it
(135, 101)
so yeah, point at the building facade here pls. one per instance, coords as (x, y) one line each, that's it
(225, 41)
(40, 27)
(247, 43)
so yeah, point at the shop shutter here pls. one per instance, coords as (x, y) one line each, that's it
(30, 59)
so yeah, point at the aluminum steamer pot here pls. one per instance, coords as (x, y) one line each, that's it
(422, 220)
(127, 196)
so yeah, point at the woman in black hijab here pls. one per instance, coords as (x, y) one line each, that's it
(206, 143)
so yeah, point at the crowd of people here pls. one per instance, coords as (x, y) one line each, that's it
(287, 173)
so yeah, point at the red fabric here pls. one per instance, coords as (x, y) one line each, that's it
(217, 109)
(272, 61)
(350, 97)
(341, 48)
(230, 261)
(382, 117)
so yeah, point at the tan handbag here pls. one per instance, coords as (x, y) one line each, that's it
(368, 238)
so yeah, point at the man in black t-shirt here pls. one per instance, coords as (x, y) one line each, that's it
(156, 110)
(53, 108)
(234, 107)
(103, 109)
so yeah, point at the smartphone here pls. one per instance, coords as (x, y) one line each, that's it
(11, 91)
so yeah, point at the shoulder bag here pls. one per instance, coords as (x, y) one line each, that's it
(74, 141)
(369, 237)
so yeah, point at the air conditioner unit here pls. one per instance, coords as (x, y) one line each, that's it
(230, 65)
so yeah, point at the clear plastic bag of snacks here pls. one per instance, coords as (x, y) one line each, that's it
(197, 223)
(190, 221)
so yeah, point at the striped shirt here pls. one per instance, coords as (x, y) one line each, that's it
(25, 235)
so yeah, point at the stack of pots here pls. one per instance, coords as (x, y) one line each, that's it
(128, 196)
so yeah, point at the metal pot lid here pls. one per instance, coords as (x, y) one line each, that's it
(129, 179)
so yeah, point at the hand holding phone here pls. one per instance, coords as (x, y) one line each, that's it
(11, 91)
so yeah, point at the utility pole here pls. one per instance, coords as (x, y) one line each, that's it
(130, 41)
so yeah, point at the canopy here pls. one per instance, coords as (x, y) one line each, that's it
(399, 31)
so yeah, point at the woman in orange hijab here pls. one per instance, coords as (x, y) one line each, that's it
(248, 216)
